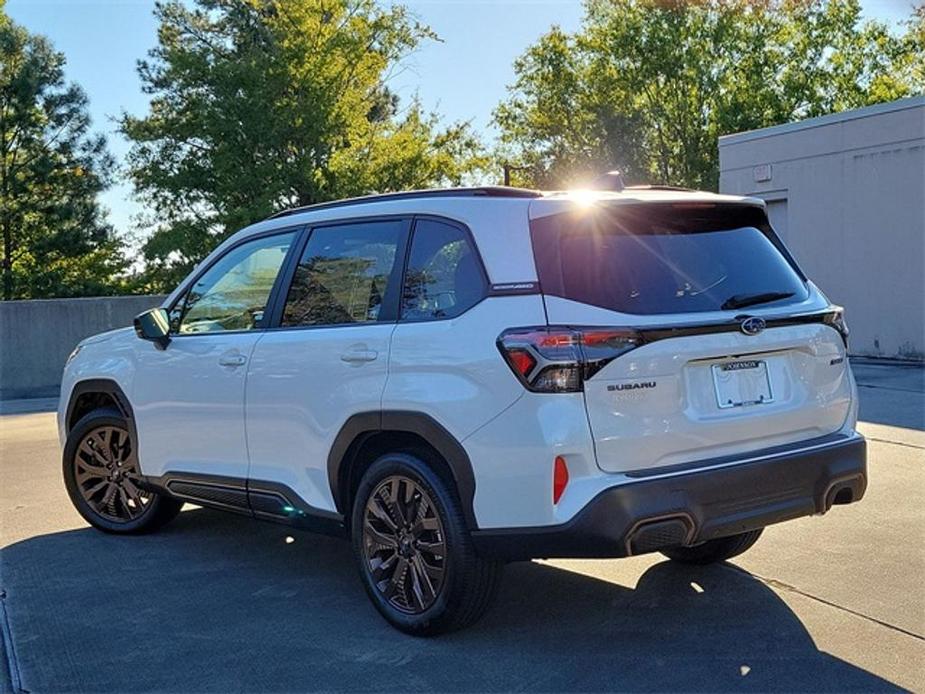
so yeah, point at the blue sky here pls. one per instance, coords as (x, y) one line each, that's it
(463, 76)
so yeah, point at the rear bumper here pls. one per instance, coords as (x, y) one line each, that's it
(686, 506)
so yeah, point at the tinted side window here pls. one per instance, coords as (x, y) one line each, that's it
(443, 278)
(343, 274)
(233, 293)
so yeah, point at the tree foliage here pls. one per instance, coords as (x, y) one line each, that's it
(259, 105)
(56, 241)
(648, 86)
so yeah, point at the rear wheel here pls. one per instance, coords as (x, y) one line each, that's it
(414, 551)
(103, 479)
(711, 551)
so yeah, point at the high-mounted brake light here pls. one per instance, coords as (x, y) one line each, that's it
(693, 205)
(551, 359)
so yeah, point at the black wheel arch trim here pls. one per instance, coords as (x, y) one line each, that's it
(98, 385)
(108, 387)
(360, 426)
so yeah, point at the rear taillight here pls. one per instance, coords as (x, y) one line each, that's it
(560, 359)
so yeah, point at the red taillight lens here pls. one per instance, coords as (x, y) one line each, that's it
(558, 359)
(522, 362)
(559, 478)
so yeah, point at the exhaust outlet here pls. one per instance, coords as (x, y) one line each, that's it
(652, 535)
(844, 492)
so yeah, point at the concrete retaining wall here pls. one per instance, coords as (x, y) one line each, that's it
(37, 336)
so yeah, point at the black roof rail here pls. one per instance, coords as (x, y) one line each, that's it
(480, 191)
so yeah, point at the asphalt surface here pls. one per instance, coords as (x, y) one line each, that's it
(220, 603)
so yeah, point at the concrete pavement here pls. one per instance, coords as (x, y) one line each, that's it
(220, 603)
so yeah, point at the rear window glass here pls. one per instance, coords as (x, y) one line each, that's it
(665, 259)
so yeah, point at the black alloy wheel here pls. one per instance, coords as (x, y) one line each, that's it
(107, 475)
(404, 544)
(413, 547)
(104, 480)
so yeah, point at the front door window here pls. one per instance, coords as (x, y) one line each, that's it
(233, 293)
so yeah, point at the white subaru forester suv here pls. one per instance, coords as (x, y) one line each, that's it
(458, 378)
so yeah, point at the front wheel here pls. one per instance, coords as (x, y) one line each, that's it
(711, 551)
(103, 479)
(414, 551)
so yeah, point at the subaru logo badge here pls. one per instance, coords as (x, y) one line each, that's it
(753, 325)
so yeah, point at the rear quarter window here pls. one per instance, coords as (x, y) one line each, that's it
(444, 276)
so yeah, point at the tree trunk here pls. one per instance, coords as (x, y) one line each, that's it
(7, 262)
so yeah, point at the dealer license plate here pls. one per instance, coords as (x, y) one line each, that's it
(742, 382)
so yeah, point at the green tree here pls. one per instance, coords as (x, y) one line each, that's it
(648, 86)
(56, 241)
(259, 105)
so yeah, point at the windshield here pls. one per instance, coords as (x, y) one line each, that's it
(655, 259)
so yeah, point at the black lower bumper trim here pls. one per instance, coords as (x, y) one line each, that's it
(259, 499)
(647, 514)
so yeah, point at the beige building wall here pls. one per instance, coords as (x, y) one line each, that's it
(846, 193)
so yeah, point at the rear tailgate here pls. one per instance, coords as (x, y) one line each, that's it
(693, 398)
(704, 381)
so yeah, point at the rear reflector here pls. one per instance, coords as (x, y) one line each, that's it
(559, 478)
(522, 362)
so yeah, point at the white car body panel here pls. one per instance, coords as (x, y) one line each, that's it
(462, 383)
(189, 406)
(679, 419)
(108, 356)
(300, 393)
(513, 454)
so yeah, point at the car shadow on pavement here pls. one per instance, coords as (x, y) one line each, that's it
(216, 602)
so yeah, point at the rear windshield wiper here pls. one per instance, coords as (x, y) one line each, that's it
(743, 300)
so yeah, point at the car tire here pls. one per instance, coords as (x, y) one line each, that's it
(711, 551)
(414, 551)
(101, 474)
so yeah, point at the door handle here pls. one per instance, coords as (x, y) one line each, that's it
(232, 360)
(355, 356)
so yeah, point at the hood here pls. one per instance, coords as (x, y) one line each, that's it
(108, 335)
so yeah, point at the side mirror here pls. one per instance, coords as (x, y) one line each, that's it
(154, 325)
